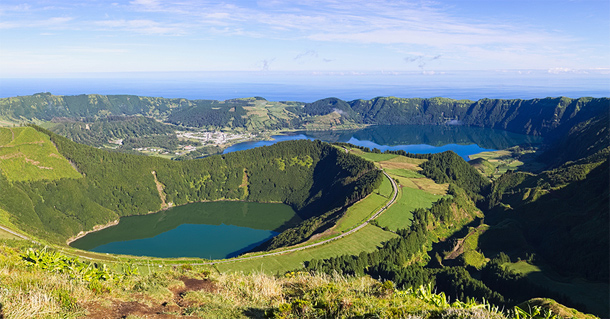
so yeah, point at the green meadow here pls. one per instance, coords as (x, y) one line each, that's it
(28, 155)
(366, 239)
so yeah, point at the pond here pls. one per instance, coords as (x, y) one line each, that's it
(210, 230)
(418, 139)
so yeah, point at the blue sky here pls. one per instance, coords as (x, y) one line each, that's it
(50, 38)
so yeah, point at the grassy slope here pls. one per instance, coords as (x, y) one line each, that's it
(366, 239)
(198, 292)
(415, 191)
(357, 214)
(28, 155)
(399, 215)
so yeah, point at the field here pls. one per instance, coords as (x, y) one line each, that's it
(360, 212)
(27, 155)
(367, 239)
(592, 295)
(494, 164)
(415, 191)
(399, 215)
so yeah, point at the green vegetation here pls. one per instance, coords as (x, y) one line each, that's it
(55, 285)
(27, 155)
(553, 217)
(365, 240)
(549, 116)
(357, 214)
(494, 164)
(115, 184)
(99, 131)
(399, 215)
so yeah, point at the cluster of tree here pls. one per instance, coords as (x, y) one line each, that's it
(97, 131)
(200, 152)
(46, 106)
(388, 262)
(583, 140)
(168, 142)
(448, 167)
(515, 287)
(117, 184)
(532, 117)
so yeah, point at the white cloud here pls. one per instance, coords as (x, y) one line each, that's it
(54, 22)
(142, 26)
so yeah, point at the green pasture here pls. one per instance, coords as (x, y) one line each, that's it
(358, 213)
(407, 173)
(376, 157)
(31, 156)
(366, 239)
(399, 215)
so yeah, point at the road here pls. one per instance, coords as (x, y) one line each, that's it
(14, 233)
(351, 231)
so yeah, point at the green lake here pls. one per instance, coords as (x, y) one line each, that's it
(211, 230)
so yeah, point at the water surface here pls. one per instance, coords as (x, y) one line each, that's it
(417, 139)
(212, 230)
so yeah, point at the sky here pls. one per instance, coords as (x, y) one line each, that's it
(39, 38)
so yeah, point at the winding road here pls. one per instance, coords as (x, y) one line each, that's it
(351, 231)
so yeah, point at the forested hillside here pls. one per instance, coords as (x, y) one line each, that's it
(312, 177)
(552, 117)
(98, 131)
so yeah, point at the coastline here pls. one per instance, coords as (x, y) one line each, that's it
(83, 233)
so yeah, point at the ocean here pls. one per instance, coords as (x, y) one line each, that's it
(307, 87)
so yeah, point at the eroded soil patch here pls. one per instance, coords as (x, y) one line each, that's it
(165, 310)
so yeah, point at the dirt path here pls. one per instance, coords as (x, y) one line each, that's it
(353, 230)
(176, 307)
(160, 188)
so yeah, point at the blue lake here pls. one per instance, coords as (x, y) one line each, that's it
(417, 139)
(211, 230)
(205, 241)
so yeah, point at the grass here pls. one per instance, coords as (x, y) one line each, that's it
(399, 215)
(593, 295)
(402, 162)
(376, 157)
(30, 291)
(31, 156)
(498, 162)
(360, 212)
(6, 136)
(470, 252)
(367, 239)
(6, 235)
(403, 173)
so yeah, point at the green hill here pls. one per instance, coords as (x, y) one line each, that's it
(544, 117)
(27, 155)
(114, 184)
